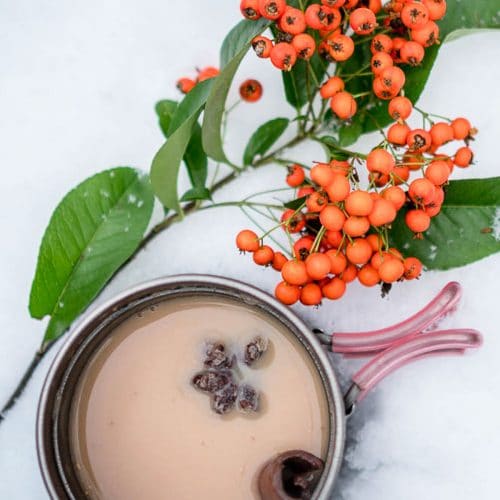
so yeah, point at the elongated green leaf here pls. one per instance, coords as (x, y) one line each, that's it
(96, 228)
(350, 133)
(332, 146)
(165, 166)
(194, 158)
(263, 138)
(467, 228)
(461, 17)
(196, 193)
(234, 48)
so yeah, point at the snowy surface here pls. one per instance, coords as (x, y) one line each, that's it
(78, 86)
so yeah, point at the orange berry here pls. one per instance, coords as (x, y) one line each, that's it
(368, 275)
(417, 220)
(381, 91)
(263, 256)
(379, 258)
(375, 242)
(362, 21)
(340, 47)
(295, 272)
(441, 133)
(338, 261)
(304, 45)
(437, 8)
(414, 15)
(334, 289)
(400, 174)
(322, 174)
(380, 180)
(331, 87)
(318, 265)
(333, 238)
(393, 78)
(185, 85)
(250, 9)
(383, 213)
(418, 140)
(338, 189)
(412, 53)
(463, 157)
(302, 246)
(414, 161)
(341, 167)
(296, 175)
(412, 268)
(305, 191)
(461, 128)
(397, 45)
(427, 35)
(381, 43)
(207, 73)
(343, 105)
(292, 21)
(322, 17)
(359, 203)
(317, 201)
(400, 108)
(272, 9)
(262, 46)
(350, 273)
(283, 56)
(279, 260)
(293, 222)
(398, 133)
(286, 293)
(356, 226)
(358, 251)
(311, 295)
(247, 241)
(380, 61)
(437, 172)
(332, 218)
(251, 90)
(380, 160)
(391, 270)
(333, 3)
(421, 191)
(395, 195)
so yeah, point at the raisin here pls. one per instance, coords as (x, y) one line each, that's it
(211, 381)
(225, 398)
(216, 357)
(254, 350)
(248, 398)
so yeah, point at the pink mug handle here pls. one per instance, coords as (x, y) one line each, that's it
(357, 344)
(405, 351)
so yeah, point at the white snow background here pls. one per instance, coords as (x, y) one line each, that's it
(78, 85)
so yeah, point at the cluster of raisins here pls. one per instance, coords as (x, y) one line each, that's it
(219, 379)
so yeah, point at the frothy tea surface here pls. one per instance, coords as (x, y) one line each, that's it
(139, 429)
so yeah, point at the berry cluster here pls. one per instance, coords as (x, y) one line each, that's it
(342, 230)
(399, 32)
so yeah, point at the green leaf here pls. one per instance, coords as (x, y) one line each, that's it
(349, 134)
(467, 228)
(460, 17)
(197, 193)
(300, 84)
(234, 48)
(194, 158)
(331, 144)
(263, 138)
(295, 204)
(92, 232)
(165, 110)
(165, 166)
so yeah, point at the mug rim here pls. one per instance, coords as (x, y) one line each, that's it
(88, 328)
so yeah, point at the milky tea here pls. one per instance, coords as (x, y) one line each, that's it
(139, 429)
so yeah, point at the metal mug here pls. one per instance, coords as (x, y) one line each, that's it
(395, 346)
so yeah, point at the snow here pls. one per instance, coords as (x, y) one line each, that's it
(77, 94)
